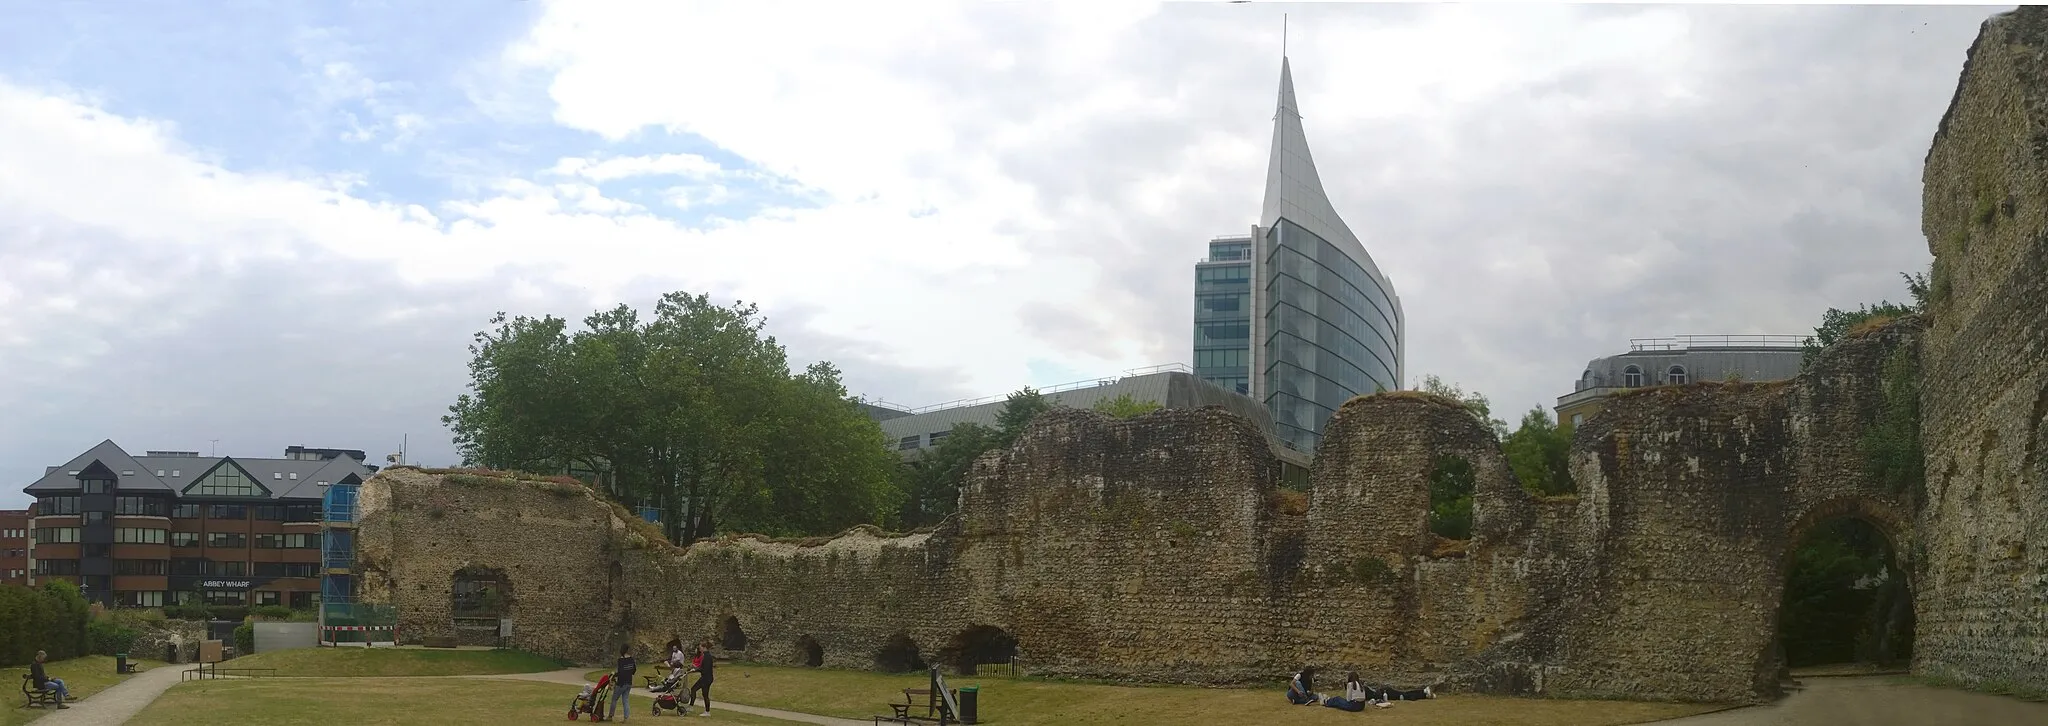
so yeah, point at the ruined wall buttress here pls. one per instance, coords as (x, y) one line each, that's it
(1982, 598)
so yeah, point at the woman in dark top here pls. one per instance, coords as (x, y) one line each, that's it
(704, 665)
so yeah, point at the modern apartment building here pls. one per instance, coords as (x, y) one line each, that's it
(14, 545)
(1676, 361)
(174, 527)
(1296, 314)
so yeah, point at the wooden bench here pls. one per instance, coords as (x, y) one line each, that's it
(37, 697)
(934, 708)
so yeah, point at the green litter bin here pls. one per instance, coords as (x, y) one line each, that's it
(120, 662)
(969, 712)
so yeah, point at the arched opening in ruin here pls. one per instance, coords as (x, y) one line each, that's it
(480, 597)
(899, 654)
(979, 645)
(809, 652)
(1848, 599)
(1450, 497)
(731, 637)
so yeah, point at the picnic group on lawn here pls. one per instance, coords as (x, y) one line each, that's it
(1357, 694)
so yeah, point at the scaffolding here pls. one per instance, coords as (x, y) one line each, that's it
(342, 619)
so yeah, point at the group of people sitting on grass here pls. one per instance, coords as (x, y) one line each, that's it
(1357, 694)
(698, 660)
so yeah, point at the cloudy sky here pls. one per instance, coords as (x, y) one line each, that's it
(279, 223)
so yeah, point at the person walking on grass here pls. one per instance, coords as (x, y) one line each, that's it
(43, 681)
(705, 660)
(622, 683)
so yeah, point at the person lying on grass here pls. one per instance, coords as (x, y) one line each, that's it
(1381, 695)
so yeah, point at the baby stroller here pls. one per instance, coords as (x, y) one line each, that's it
(665, 691)
(593, 699)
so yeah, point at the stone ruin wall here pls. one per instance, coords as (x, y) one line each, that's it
(1154, 549)
(1982, 593)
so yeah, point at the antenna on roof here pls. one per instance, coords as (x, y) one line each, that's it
(1283, 35)
(215, 451)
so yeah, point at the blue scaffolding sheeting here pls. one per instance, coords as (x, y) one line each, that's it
(651, 514)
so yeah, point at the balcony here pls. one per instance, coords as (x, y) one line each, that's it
(1588, 394)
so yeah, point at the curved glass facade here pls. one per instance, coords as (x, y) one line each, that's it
(1330, 332)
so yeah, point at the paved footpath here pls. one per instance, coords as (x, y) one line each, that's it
(574, 677)
(118, 703)
(1877, 701)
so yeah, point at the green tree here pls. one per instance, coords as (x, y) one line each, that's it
(1836, 324)
(1450, 497)
(1540, 454)
(1124, 406)
(694, 411)
(1474, 401)
(1019, 410)
(935, 476)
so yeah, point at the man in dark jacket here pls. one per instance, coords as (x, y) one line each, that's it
(43, 680)
(622, 683)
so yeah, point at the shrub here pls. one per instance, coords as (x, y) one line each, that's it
(105, 637)
(245, 639)
(50, 618)
(272, 612)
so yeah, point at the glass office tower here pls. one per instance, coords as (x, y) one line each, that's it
(1324, 323)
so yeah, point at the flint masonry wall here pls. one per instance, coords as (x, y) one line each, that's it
(1982, 604)
(1158, 549)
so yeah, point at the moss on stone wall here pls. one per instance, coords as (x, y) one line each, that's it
(1891, 445)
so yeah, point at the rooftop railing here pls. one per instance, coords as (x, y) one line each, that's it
(1688, 342)
(1063, 387)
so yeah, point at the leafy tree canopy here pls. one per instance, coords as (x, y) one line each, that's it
(932, 481)
(1540, 454)
(1474, 401)
(1124, 406)
(694, 411)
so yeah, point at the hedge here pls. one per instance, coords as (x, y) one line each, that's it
(48, 618)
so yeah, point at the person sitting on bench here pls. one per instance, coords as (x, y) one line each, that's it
(1301, 690)
(43, 681)
(1381, 695)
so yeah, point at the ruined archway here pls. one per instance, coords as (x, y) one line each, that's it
(809, 653)
(480, 598)
(1847, 591)
(979, 645)
(899, 654)
(731, 637)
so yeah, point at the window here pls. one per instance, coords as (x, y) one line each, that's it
(305, 601)
(138, 506)
(937, 436)
(302, 512)
(225, 597)
(56, 567)
(184, 539)
(294, 475)
(98, 551)
(266, 597)
(1226, 358)
(227, 511)
(225, 569)
(226, 539)
(141, 567)
(188, 566)
(95, 517)
(159, 472)
(1632, 377)
(56, 506)
(185, 511)
(277, 475)
(226, 481)
(95, 486)
(1675, 376)
(1578, 418)
(146, 599)
(56, 535)
(270, 512)
(174, 472)
(906, 443)
(285, 569)
(139, 535)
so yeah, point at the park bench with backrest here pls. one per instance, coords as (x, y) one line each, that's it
(931, 709)
(37, 697)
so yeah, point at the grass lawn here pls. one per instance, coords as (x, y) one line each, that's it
(377, 701)
(82, 677)
(1030, 702)
(374, 662)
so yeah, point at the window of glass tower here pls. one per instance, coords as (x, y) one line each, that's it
(1330, 336)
